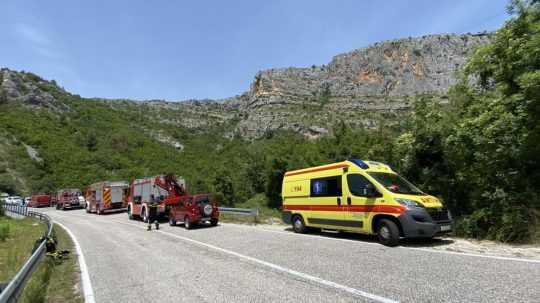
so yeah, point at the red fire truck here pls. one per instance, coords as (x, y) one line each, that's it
(39, 200)
(152, 198)
(107, 196)
(68, 198)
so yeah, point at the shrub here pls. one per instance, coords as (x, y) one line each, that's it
(4, 231)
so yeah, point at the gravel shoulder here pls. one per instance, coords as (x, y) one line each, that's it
(448, 244)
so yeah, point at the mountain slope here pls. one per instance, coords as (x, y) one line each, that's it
(83, 140)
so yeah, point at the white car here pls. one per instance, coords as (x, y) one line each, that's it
(82, 201)
(14, 200)
(27, 200)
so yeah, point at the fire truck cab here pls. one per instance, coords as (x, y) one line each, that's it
(68, 198)
(107, 196)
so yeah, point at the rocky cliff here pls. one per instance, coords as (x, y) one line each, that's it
(356, 87)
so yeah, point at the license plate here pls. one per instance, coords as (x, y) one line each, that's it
(446, 227)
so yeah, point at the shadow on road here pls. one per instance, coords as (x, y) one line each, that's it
(414, 242)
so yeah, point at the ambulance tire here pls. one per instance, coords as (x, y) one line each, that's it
(172, 221)
(298, 225)
(388, 232)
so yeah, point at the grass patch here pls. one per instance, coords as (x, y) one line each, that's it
(53, 280)
(20, 237)
(56, 280)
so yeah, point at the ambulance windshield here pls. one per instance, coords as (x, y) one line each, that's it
(396, 184)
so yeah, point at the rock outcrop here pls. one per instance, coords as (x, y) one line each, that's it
(355, 88)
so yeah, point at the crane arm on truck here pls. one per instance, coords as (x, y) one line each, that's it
(170, 184)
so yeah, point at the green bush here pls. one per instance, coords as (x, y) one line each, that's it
(4, 231)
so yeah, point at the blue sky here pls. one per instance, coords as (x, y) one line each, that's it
(176, 50)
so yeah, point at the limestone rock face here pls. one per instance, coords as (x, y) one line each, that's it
(356, 88)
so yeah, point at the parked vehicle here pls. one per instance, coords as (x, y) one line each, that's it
(152, 198)
(14, 200)
(69, 198)
(27, 200)
(39, 200)
(361, 196)
(107, 196)
(3, 197)
(82, 201)
(195, 209)
(54, 199)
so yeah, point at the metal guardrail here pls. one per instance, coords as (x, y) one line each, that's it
(240, 211)
(13, 290)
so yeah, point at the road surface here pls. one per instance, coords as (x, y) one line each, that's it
(239, 263)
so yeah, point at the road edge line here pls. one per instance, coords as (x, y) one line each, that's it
(85, 277)
(302, 275)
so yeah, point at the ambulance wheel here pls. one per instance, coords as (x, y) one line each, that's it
(172, 221)
(298, 225)
(187, 223)
(388, 232)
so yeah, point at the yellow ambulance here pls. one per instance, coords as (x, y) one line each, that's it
(361, 196)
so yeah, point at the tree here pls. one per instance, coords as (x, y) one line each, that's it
(275, 174)
(224, 185)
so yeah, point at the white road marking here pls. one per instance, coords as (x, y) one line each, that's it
(429, 250)
(85, 277)
(304, 276)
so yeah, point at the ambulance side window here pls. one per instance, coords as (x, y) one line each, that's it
(326, 187)
(358, 184)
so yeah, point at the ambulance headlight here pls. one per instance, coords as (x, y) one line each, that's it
(409, 203)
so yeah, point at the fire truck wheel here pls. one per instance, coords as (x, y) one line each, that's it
(130, 214)
(57, 206)
(214, 222)
(187, 222)
(99, 211)
(87, 208)
(172, 221)
(144, 215)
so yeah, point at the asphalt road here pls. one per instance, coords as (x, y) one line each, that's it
(238, 263)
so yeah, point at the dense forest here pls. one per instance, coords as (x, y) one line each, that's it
(478, 151)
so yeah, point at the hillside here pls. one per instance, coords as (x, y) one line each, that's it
(52, 138)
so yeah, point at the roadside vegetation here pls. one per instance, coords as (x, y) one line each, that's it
(55, 280)
(478, 151)
(19, 237)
